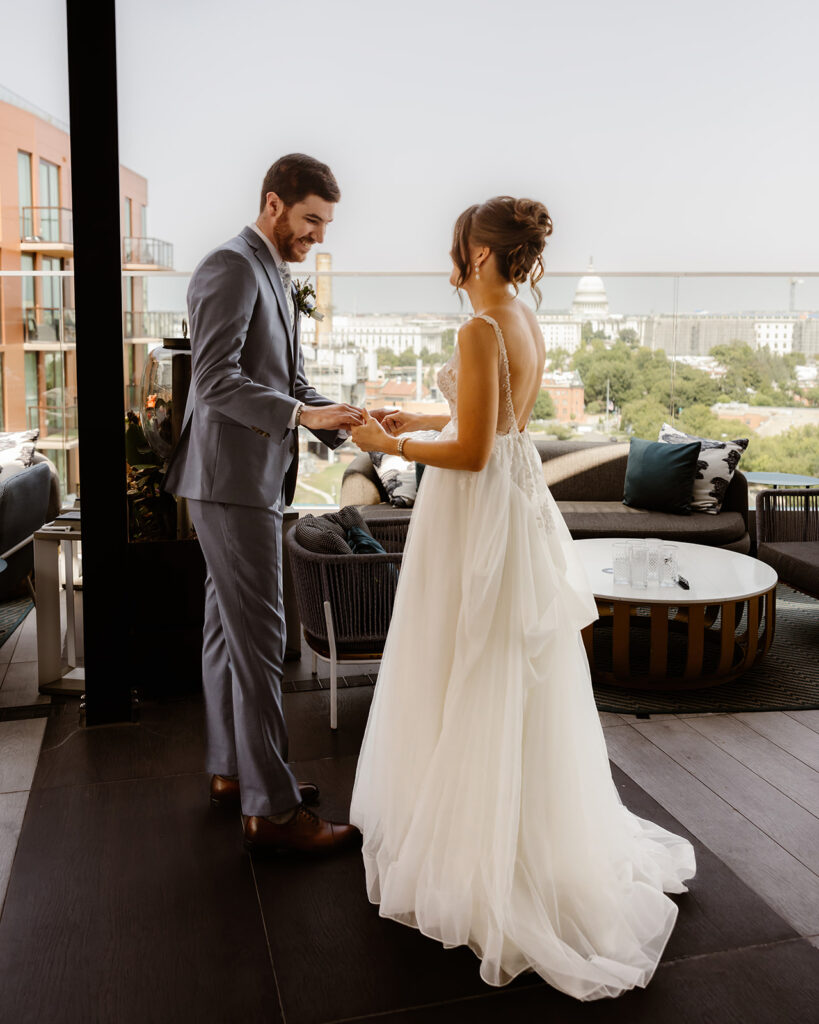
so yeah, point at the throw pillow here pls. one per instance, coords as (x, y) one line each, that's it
(715, 467)
(17, 451)
(660, 476)
(397, 478)
(362, 542)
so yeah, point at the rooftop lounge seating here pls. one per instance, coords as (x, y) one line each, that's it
(586, 479)
(787, 536)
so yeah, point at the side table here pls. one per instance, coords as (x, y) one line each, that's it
(49, 542)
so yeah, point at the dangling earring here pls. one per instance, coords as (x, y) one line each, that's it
(477, 271)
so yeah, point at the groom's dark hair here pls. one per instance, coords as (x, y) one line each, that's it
(296, 176)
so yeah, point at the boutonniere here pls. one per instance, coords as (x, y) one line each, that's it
(306, 300)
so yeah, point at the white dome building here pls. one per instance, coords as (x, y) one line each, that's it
(590, 299)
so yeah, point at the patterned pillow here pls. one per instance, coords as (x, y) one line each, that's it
(17, 451)
(397, 478)
(400, 479)
(715, 466)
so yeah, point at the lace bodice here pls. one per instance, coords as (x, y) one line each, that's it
(514, 449)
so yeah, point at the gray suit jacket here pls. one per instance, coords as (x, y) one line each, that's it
(247, 377)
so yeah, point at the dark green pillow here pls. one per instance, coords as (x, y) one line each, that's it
(660, 476)
(362, 542)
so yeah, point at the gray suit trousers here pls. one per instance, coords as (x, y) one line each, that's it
(243, 652)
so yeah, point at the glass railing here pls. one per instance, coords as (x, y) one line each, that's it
(46, 224)
(149, 252)
(56, 423)
(715, 355)
(49, 323)
(153, 325)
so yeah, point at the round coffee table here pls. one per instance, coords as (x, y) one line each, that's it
(718, 628)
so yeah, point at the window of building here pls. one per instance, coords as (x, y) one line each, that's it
(28, 298)
(144, 221)
(24, 194)
(32, 390)
(51, 291)
(49, 201)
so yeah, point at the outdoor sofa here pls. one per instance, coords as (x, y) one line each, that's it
(587, 479)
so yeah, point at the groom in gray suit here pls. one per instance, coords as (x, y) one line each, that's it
(236, 463)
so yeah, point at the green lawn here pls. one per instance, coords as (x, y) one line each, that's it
(327, 480)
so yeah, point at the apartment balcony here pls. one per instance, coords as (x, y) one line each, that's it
(47, 230)
(57, 425)
(151, 325)
(45, 327)
(146, 254)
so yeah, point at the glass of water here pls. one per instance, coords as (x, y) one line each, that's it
(653, 547)
(620, 562)
(668, 565)
(638, 560)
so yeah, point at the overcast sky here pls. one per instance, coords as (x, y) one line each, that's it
(660, 135)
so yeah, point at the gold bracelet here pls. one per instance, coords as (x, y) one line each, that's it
(401, 442)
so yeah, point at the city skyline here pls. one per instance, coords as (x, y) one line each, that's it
(672, 141)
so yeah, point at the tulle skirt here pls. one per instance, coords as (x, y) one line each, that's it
(483, 789)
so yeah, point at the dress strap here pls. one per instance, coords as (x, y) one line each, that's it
(506, 380)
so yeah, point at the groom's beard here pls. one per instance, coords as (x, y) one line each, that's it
(284, 238)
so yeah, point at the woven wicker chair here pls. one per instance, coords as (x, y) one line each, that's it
(787, 536)
(345, 601)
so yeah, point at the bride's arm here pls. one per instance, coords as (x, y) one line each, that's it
(477, 410)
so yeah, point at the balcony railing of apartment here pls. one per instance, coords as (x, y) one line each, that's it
(147, 252)
(49, 323)
(144, 324)
(46, 229)
(55, 422)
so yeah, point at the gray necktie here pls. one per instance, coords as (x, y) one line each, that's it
(287, 281)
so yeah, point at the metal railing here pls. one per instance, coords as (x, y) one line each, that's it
(46, 224)
(150, 252)
(52, 420)
(152, 324)
(49, 323)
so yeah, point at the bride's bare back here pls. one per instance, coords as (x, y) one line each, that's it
(526, 352)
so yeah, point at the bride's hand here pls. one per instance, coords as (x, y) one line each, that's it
(400, 422)
(371, 436)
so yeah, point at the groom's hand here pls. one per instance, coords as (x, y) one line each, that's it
(331, 417)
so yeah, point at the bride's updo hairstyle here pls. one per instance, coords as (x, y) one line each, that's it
(515, 230)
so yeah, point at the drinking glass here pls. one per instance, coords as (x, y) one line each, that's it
(638, 561)
(668, 565)
(653, 547)
(620, 562)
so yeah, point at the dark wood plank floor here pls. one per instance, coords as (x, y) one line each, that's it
(130, 900)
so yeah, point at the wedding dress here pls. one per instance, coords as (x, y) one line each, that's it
(483, 789)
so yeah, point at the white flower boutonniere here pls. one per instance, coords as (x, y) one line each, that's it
(306, 300)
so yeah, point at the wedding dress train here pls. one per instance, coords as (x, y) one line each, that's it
(483, 789)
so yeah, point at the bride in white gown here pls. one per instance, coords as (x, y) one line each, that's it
(483, 790)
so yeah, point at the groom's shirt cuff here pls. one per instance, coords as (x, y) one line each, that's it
(292, 423)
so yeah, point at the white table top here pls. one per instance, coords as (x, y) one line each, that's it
(715, 575)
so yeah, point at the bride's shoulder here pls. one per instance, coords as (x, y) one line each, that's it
(476, 338)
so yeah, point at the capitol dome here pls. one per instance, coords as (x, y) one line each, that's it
(590, 299)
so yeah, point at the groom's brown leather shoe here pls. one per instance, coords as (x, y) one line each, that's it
(306, 832)
(224, 791)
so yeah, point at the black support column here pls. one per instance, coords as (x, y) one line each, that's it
(92, 82)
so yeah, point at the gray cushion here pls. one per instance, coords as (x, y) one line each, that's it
(613, 519)
(795, 562)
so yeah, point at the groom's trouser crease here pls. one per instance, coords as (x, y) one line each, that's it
(243, 652)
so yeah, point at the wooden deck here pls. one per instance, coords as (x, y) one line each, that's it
(127, 896)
